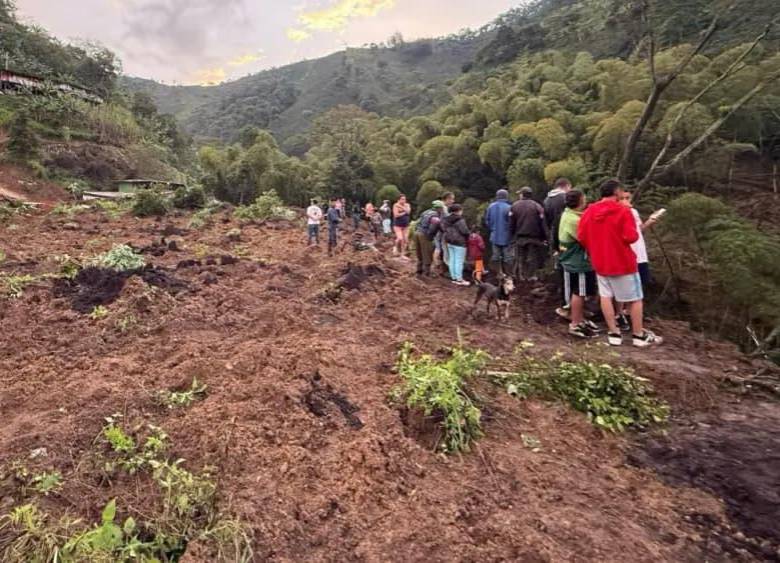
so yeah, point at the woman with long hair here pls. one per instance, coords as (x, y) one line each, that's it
(402, 217)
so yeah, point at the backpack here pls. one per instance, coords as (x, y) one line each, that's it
(424, 223)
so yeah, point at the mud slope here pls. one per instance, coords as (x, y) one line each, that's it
(309, 449)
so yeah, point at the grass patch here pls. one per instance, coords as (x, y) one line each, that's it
(267, 206)
(439, 387)
(179, 399)
(185, 512)
(14, 286)
(613, 397)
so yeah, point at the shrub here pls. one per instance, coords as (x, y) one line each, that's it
(121, 258)
(612, 397)
(189, 198)
(439, 387)
(268, 205)
(150, 203)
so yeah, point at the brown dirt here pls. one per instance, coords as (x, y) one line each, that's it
(313, 455)
(16, 183)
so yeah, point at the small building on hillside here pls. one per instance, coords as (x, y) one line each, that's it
(133, 185)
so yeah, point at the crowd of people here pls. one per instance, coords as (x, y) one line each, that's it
(598, 249)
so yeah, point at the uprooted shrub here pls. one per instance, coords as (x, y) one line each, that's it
(150, 203)
(193, 197)
(121, 258)
(612, 397)
(267, 206)
(439, 387)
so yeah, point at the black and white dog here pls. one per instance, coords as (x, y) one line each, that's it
(495, 294)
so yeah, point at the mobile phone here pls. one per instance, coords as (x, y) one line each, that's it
(658, 214)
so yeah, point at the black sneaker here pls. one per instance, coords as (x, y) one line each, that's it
(581, 331)
(615, 339)
(593, 327)
(647, 339)
(623, 323)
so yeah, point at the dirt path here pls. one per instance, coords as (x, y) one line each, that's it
(320, 463)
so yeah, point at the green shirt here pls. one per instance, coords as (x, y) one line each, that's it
(567, 231)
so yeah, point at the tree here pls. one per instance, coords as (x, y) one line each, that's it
(143, 105)
(660, 84)
(430, 191)
(23, 144)
(390, 193)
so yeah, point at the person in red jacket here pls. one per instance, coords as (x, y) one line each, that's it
(606, 231)
(476, 249)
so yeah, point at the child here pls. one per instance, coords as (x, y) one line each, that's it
(456, 235)
(476, 248)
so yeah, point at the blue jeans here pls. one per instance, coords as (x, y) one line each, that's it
(314, 233)
(457, 258)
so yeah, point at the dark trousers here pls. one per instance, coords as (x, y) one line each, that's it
(424, 248)
(333, 237)
(530, 257)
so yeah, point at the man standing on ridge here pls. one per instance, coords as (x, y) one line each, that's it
(313, 219)
(497, 221)
(607, 230)
(334, 218)
(529, 230)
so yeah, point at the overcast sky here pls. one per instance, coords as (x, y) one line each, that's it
(202, 41)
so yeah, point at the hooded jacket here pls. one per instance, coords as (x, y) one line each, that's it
(497, 220)
(456, 232)
(607, 230)
(554, 204)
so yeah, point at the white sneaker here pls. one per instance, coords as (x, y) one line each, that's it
(615, 339)
(647, 339)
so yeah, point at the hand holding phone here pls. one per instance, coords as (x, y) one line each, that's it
(658, 214)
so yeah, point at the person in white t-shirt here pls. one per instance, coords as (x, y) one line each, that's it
(313, 220)
(640, 249)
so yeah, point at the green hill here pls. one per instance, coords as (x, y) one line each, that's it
(408, 79)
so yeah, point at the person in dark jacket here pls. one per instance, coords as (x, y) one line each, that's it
(554, 205)
(529, 230)
(456, 234)
(497, 222)
(334, 217)
(428, 227)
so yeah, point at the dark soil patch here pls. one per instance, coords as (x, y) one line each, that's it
(735, 455)
(95, 286)
(92, 287)
(320, 398)
(159, 277)
(355, 275)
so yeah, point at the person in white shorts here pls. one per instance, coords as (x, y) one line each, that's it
(607, 230)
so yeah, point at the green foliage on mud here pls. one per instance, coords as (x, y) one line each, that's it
(439, 387)
(121, 258)
(612, 397)
(187, 512)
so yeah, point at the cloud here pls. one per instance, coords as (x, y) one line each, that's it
(207, 76)
(337, 16)
(297, 35)
(192, 36)
(246, 59)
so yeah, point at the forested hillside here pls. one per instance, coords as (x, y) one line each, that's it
(76, 143)
(405, 79)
